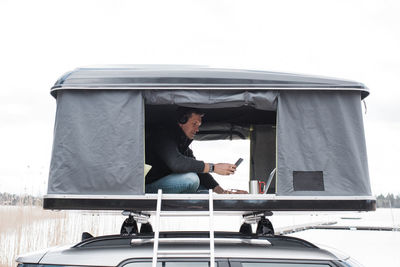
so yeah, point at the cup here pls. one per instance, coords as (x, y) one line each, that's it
(253, 187)
(261, 187)
(256, 187)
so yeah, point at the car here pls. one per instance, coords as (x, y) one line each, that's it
(134, 247)
(230, 249)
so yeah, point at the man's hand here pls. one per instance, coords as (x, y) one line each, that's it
(237, 191)
(218, 189)
(224, 168)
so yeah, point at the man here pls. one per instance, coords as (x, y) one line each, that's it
(174, 167)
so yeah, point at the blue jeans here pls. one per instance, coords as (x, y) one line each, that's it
(175, 183)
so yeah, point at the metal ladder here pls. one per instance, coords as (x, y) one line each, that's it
(159, 213)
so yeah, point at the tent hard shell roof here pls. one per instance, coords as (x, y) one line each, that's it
(195, 77)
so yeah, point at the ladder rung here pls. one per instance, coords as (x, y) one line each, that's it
(186, 251)
(184, 213)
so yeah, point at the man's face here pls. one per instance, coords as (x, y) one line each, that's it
(191, 127)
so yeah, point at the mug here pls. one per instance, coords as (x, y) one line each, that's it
(256, 187)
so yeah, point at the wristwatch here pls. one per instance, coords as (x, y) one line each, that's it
(211, 167)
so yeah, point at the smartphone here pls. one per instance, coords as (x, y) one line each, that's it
(238, 162)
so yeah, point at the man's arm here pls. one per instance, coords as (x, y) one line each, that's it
(221, 168)
(167, 150)
(208, 181)
(219, 190)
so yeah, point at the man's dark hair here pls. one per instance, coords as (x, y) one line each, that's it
(183, 114)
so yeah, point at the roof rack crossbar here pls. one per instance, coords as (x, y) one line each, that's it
(229, 240)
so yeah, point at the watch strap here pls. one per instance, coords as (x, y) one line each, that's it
(211, 167)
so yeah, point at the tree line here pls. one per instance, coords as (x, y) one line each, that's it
(388, 201)
(26, 200)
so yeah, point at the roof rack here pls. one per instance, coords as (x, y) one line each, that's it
(195, 236)
(130, 235)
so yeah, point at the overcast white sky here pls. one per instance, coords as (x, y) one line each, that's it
(43, 39)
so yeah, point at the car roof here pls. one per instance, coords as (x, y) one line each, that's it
(114, 249)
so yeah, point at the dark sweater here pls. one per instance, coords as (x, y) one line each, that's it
(167, 151)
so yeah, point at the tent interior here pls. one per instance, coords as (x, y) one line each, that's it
(238, 123)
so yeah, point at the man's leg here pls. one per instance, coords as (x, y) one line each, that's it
(175, 183)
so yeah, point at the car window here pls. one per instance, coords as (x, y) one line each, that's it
(282, 264)
(171, 264)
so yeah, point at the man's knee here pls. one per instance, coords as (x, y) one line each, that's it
(192, 182)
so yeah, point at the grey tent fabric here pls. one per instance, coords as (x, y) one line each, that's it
(263, 100)
(262, 153)
(99, 139)
(98, 143)
(321, 144)
(222, 131)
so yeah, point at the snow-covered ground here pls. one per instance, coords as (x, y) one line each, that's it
(46, 228)
(370, 248)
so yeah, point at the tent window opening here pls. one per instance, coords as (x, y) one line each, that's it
(227, 134)
(226, 151)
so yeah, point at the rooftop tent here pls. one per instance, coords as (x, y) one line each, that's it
(309, 128)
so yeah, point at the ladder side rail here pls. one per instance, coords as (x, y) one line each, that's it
(157, 229)
(211, 214)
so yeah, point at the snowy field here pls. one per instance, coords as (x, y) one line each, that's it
(26, 229)
(370, 248)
